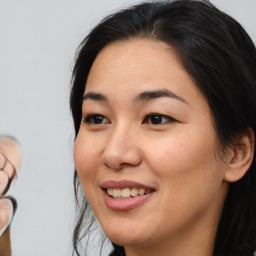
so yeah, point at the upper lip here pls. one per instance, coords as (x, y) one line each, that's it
(124, 184)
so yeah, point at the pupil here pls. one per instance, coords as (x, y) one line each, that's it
(97, 119)
(156, 119)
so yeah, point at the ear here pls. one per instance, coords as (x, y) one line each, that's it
(241, 156)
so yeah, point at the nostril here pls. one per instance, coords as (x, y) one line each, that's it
(122, 159)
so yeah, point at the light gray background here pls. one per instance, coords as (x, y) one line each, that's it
(38, 40)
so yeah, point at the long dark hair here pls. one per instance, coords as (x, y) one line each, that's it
(221, 58)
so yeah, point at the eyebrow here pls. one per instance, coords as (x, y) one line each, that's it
(95, 96)
(144, 96)
(150, 95)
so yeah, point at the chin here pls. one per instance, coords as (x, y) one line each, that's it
(125, 237)
(125, 241)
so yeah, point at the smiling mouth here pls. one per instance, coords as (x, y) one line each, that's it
(127, 193)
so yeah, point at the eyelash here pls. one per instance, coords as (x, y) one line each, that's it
(150, 115)
(88, 119)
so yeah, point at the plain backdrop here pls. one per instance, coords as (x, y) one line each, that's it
(38, 40)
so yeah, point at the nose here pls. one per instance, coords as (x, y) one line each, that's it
(122, 149)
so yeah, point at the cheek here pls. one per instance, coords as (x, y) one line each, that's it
(186, 158)
(86, 158)
(187, 169)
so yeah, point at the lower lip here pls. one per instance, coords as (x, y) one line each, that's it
(125, 204)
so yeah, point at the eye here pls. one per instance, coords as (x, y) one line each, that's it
(95, 119)
(156, 119)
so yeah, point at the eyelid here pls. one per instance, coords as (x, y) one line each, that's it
(170, 119)
(88, 117)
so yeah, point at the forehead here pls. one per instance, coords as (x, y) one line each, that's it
(138, 65)
(134, 59)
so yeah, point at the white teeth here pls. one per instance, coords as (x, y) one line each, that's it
(127, 192)
(134, 192)
(110, 191)
(141, 191)
(116, 193)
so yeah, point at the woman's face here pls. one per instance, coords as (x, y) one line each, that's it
(146, 152)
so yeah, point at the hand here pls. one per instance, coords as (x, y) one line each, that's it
(10, 160)
(6, 213)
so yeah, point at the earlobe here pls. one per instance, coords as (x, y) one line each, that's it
(241, 156)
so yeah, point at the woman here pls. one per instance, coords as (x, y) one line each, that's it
(164, 104)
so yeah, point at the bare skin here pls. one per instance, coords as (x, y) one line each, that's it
(6, 213)
(11, 150)
(10, 163)
(145, 121)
